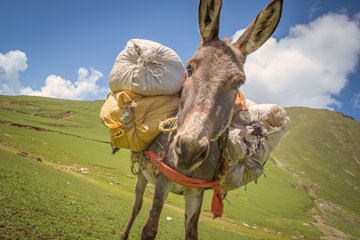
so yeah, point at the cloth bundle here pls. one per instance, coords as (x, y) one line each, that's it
(252, 137)
(145, 81)
(147, 68)
(133, 120)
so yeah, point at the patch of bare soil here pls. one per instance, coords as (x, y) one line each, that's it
(76, 170)
(70, 168)
(47, 130)
(6, 143)
(325, 213)
(25, 126)
(18, 111)
(13, 103)
(25, 154)
(12, 110)
(330, 233)
(63, 115)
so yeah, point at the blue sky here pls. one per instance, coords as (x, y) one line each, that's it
(66, 49)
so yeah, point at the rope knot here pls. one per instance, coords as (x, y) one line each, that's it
(170, 122)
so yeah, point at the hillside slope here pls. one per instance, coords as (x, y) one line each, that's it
(57, 171)
(321, 149)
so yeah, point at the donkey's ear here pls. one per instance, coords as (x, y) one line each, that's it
(261, 29)
(209, 15)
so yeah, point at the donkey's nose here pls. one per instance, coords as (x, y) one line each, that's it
(180, 147)
(190, 153)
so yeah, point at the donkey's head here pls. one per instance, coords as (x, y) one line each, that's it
(214, 75)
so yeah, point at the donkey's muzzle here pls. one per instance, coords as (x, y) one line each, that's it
(190, 153)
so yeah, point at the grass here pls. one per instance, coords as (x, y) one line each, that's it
(313, 172)
(45, 203)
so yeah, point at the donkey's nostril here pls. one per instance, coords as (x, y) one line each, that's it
(178, 146)
(190, 154)
(203, 153)
(177, 143)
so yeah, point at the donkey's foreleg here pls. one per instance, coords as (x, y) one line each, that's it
(193, 202)
(161, 192)
(139, 193)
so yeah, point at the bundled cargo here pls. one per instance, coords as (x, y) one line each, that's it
(144, 81)
(133, 120)
(147, 68)
(252, 137)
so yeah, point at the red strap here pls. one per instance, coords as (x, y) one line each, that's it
(217, 205)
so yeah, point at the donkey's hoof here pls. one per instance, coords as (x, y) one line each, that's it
(124, 236)
(148, 235)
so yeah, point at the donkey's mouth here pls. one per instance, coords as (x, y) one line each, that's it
(188, 165)
(190, 150)
(196, 165)
(190, 158)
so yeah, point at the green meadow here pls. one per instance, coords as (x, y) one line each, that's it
(60, 181)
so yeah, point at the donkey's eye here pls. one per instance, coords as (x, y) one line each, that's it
(189, 70)
(237, 84)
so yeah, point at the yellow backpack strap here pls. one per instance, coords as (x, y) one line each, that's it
(126, 99)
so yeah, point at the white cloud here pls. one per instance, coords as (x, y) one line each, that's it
(11, 64)
(84, 87)
(356, 100)
(307, 68)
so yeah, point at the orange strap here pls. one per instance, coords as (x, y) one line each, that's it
(217, 205)
(240, 104)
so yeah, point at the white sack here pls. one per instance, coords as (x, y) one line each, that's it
(147, 68)
(247, 152)
(243, 142)
(271, 116)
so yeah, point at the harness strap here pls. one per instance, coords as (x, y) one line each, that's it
(217, 205)
(224, 129)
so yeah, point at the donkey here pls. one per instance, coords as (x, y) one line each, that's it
(214, 75)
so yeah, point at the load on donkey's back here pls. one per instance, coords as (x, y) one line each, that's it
(146, 82)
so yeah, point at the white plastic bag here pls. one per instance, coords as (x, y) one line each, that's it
(147, 68)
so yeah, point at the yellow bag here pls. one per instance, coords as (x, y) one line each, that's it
(133, 120)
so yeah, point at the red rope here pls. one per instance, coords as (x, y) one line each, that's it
(217, 205)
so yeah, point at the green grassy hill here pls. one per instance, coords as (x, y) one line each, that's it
(60, 181)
